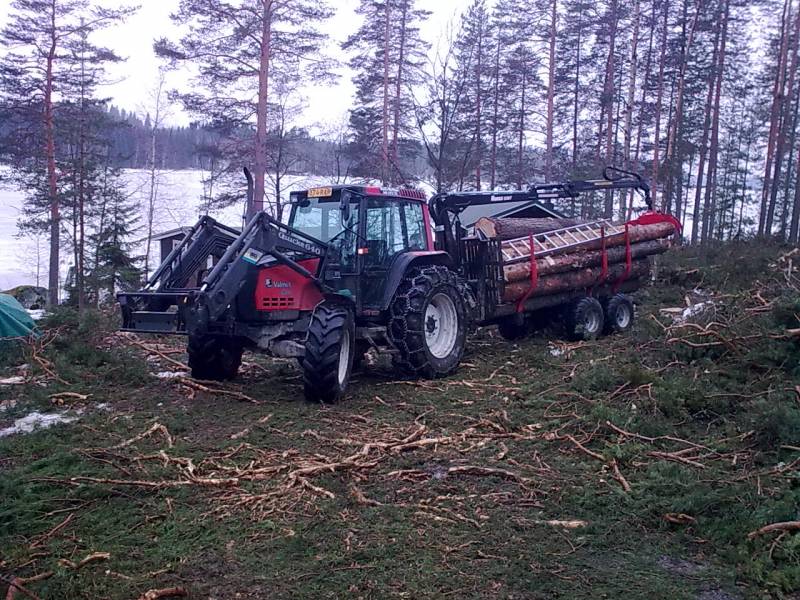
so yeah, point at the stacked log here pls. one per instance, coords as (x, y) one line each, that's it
(575, 280)
(548, 265)
(507, 228)
(578, 267)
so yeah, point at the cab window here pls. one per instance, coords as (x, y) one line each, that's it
(415, 224)
(392, 227)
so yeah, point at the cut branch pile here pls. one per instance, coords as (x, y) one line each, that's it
(286, 478)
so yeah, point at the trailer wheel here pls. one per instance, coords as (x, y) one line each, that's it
(330, 348)
(618, 314)
(428, 322)
(584, 319)
(214, 358)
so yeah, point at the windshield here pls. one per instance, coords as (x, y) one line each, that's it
(319, 219)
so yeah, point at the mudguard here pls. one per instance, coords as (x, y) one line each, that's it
(406, 261)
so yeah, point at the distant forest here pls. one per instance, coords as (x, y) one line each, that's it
(130, 140)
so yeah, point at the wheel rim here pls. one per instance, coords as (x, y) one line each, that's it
(344, 357)
(591, 322)
(623, 316)
(441, 325)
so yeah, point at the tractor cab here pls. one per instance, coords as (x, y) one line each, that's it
(368, 230)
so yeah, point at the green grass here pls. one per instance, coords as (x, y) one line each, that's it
(409, 526)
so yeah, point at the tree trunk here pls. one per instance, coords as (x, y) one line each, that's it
(582, 260)
(659, 98)
(642, 103)
(795, 226)
(385, 124)
(260, 149)
(80, 269)
(575, 280)
(709, 204)
(496, 109)
(508, 228)
(775, 112)
(548, 169)
(608, 94)
(628, 133)
(50, 155)
(398, 83)
(576, 94)
(153, 191)
(786, 109)
(478, 98)
(673, 138)
(521, 134)
(636, 233)
(785, 207)
(703, 149)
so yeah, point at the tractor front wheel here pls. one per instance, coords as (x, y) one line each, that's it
(428, 322)
(214, 358)
(330, 349)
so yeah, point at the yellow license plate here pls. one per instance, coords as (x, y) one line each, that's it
(321, 192)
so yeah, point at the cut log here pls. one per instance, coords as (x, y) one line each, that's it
(507, 228)
(562, 263)
(638, 233)
(575, 280)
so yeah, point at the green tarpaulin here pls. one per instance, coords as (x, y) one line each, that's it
(14, 320)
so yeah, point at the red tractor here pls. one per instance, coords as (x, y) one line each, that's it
(355, 267)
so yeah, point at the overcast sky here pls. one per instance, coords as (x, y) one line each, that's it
(134, 40)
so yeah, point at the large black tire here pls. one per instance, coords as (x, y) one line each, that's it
(584, 319)
(330, 348)
(428, 322)
(619, 314)
(214, 358)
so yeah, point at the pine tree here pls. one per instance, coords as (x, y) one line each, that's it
(387, 56)
(238, 48)
(474, 49)
(32, 74)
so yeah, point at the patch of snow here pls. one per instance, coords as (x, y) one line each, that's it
(37, 314)
(15, 380)
(36, 420)
(694, 310)
(171, 374)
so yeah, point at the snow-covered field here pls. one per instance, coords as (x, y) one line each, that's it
(179, 204)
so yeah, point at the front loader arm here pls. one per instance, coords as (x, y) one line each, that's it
(262, 239)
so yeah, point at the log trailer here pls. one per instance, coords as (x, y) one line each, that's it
(360, 267)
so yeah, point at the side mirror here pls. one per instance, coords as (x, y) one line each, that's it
(344, 207)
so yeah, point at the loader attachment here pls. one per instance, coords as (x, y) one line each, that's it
(169, 303)
(159, 306)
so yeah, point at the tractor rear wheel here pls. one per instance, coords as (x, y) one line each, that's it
(584, 319)
(330, 349)
(214, 358)
(428, 322)
(619, 314)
